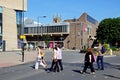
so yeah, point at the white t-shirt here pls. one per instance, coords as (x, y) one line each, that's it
(59, 53)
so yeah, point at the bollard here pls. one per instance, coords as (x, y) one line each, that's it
(23, 52)
(111, 52)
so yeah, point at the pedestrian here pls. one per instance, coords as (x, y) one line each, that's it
(54, 67)
(100, 55)
(88, 61)
(40, 60)
(59, 57)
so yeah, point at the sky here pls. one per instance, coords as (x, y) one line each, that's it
(69, 9)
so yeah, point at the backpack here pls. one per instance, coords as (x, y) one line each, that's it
(103, 50)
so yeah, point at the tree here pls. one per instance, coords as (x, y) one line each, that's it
(109, 30)
(47, 39)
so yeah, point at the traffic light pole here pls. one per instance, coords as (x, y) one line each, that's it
(23, 52)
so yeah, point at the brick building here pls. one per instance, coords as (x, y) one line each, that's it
(82, 32)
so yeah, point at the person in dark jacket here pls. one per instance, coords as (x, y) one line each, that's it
(100, 57)
(88, 61)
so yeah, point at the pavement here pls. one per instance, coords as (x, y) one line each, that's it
(13, 58)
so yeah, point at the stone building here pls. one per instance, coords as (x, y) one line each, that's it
(11, 15)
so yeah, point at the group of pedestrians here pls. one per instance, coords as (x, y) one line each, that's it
(56, 60)
(90, 59)
(56, 65)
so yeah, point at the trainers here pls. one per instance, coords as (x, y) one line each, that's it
(82, 72)
(47, 71)
(92, 73)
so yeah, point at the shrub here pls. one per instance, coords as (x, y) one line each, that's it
(113, 48)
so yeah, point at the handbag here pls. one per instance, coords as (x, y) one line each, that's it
(94, 57)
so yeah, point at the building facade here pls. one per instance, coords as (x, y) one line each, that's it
(46, 35)
(9, 12)
(82, 32)
(71, 34)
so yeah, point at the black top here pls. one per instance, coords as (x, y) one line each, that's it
(87, 57)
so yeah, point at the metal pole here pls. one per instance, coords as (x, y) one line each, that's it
(23, 17)
(23, 52)
(23, 31)
(39, 28)
(38, 31)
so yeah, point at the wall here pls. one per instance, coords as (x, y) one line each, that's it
(9, 28)
(14, 4)
(9, 25)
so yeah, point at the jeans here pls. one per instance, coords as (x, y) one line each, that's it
(60, 64)
(100, 63)
(54, 67)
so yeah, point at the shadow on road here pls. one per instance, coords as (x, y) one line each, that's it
(112, 76)
(108, 65)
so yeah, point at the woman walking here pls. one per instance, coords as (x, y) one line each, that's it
(40, 59)
(88, 62)
(54, 67)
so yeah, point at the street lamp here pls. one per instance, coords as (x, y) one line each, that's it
(22, 31)
(38, 29)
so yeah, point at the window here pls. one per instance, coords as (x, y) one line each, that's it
(81, 33)
(19, 21)
(26, 30)
(89, 29)
(19, 17)
(81, 41)
(91, 20)
(0, 9)
(0, 23)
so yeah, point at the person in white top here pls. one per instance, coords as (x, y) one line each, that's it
(59, 57)
(40, 59)
(54, 67)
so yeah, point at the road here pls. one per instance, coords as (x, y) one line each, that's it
(72, 62)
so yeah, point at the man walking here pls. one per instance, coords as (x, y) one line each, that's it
(101, 51)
